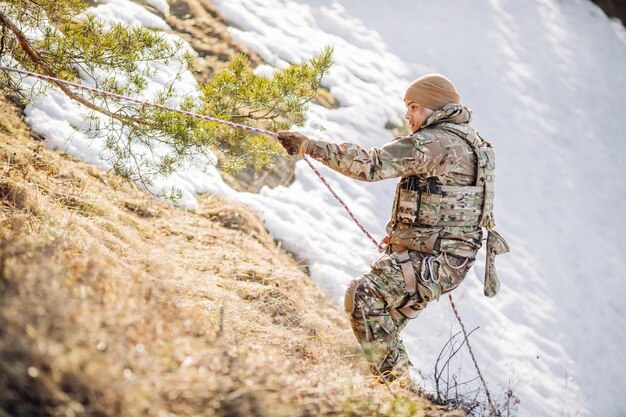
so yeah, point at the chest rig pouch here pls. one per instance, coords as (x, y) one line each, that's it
(425, 202)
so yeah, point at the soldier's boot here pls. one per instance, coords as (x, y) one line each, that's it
(376, 329)
(395, 364)
(407, 383)
(379, 338)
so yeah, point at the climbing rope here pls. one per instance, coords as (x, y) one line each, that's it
(197, 116)
(265, 132)
(492, 407)
(345, 206)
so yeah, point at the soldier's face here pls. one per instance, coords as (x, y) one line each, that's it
(416, 115)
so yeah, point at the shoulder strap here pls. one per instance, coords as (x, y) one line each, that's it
(485, 168)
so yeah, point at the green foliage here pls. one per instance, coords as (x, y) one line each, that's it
(237, 94)
(91, 46)
(60, 38)
(33, 12)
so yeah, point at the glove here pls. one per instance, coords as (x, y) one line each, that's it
(295, 143)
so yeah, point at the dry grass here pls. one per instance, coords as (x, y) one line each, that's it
(114, 305)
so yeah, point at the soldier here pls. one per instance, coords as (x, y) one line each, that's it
(443, 200)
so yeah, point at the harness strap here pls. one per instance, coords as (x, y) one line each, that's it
(407, 271)
(410, 281)
(408, 311)
(485, 166)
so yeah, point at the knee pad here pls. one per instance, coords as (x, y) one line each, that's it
(349, 298)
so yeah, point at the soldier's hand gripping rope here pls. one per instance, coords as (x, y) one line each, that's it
(295, 143)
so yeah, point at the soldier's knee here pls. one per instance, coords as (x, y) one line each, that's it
(349, 300)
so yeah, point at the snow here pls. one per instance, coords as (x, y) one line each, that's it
(161, 5)
(543, 78)
(124, 11)
(546, 82)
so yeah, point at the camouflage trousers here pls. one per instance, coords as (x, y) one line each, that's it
(373, 302)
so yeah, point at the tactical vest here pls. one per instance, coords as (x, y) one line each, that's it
(428, 203)
(425, 203)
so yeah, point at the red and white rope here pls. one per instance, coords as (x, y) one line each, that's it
(257, 131)
(137, 101)
(197, 116)
(345, 206)
(493, 410)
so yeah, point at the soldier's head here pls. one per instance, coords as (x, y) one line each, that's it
(428, 93)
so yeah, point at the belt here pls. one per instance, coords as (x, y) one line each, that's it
(463, 253)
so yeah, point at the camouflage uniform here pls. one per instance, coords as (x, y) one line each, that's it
(437, 233)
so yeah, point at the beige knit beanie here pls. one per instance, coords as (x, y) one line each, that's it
(433, 91)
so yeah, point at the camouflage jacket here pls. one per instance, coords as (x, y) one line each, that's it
(429, 152)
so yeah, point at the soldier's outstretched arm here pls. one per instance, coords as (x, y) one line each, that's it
(400, 157)
(406, 155)
(393, 159)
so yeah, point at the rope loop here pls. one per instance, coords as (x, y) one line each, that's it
(445, 256)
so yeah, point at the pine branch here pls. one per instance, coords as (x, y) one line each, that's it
(35, 56)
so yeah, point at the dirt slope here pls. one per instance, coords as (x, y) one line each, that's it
(114, 305)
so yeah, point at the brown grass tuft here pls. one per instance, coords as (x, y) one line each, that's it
(141, 209)
(232, 216)
(18, 197)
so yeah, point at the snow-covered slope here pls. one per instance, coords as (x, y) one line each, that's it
(547, 82)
